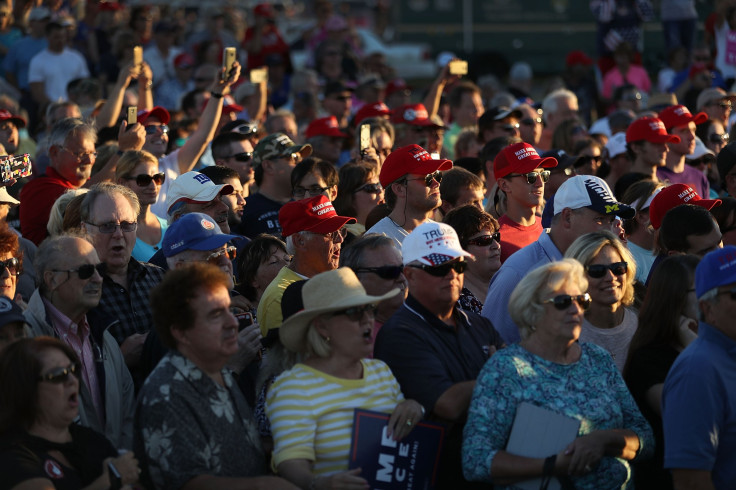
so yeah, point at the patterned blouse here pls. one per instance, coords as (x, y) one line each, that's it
(590, 390)
(469, 302)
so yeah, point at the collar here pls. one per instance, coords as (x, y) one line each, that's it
(710, 333)
(416, 308)
(135, 270)
(63, 324)
(549, 248)
(51, 172)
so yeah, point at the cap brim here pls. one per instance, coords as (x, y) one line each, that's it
(331, 224)
(619, 209)
(528, 166)
(664, 138)
(304, 150)
(700, 118)
(212, 242)
(204, 196)
(707, 203)
(456, 255)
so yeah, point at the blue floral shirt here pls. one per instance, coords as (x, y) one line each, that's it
(590, 390)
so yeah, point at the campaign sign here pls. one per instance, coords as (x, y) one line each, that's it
(409, 464)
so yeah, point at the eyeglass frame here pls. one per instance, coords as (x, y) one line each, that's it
(297, 193)
(434, 176)
(101, 269)
(544, 175)
(91, 154)
(18, 267)
(104, 227)
(61, 374)
(151, 178)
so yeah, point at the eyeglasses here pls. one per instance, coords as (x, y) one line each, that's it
(85, 271)
(313, 190)
(60, 375)
(436, 176)
(153, 129)
(214, 257)
(531, 121)
(485, 240)
(241, 157)
(531, 177)
(111, 227)
(722, 105)
(245, 129)
(356, 313)
(563, 301)
(510, 128)
(384, 272)
(596, 271)
(144, 180)
(442, 270)
(370, 188)
(81, 155)
(731, 292)
(13, 266)
(718, 138)
(342, 233)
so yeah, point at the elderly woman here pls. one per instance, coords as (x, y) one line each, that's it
(358, 192)
(138, 171)
(259, 262)
(550, 369)
(40, 445)
(609, 322)
(311, 405)
(479, 235)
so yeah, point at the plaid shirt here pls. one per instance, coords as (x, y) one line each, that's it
(132, 306)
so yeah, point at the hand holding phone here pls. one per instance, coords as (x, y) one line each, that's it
(137, 55)
(228, 58)
(458, 67)
(132, 115)
(365, 137)
(15, 167)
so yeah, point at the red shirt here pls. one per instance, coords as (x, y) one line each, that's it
(271, 42)
(36, 199)
(515, 236)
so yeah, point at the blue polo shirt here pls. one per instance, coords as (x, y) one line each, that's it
(496, 305)
(699, 408)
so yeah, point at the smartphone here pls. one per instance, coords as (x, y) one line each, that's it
(365, 137)
(245, 320)
(137, 55)
(132, 115)
(258, 75)
(15, 167)
(458, 67)
(228, 58)
(116, 481)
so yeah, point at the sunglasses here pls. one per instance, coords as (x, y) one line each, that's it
(569, 171)
(370, 188)
(731, 292)
(531, 177)
(509, 128)
(85, 271)
(241, 157)
(60, 375)
(718, 138)
(434, 176)
(384, 272)
(485, 240)
(563, 301)
(153, 129)
(13, 266)
(144, 180)
(596, 271)
(356, 313)
(314, 190)
(214, 257)
(529, 121)
(245, 129)
(442, 270)
(108, 228)
(722, 105)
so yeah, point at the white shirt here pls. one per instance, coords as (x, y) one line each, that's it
(56, 70)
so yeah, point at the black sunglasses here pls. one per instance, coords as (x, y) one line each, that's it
(85, 271)
(563, 301)
(313, 190)
(531, 177)
(144, 180)
(370, 188)
(442, 270)
(244, 156)
(384, 272)
(718, 138)
(356, 313)
(528, 121)
(245, 129)
(60, 375)
(436, 176)
(152, 129)
(13, 266)
(485, 240)
(596, 271)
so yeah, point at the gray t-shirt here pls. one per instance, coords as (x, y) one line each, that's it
(389, 228)
(615, 340)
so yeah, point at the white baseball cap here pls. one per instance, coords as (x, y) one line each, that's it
(616, 145)
(432, 244)
(194, 187)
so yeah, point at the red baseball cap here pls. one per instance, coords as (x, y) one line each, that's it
(396, 85)
(578, 58)
(413, 114)
(679, 115)
(412, 159)
(264, 10)
(324, 126)
(316, 214)
(158, 112)
(649, 129)
(17, 120)
(184, 60)
(672, 196)
(228, 105)
(379, 109)
(520, 158)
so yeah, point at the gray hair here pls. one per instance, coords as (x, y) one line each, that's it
(550, 102)
(55, 225)
(48, 255)
(70, 126)
(290, 245)
(350, 256)
(107, 189)
(711, 296)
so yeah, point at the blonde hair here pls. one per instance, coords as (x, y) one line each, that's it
(316, 344)
(525, 305)
(130, 159)
(55, 225)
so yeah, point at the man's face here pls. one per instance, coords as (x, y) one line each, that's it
(557, 177)
(530, 125)
(236, 157)
(9, 137)
(508, 126)
(721, 311)
(521, 192)
(235, 202)
(585, 220)
(702, 244)
(687, 139)
(566, 109)
(157, 137)
(215, 209)
(286, 125)
(66, 290)
(469, 110)
(652, 154)
(56, 40)
(384, 256)
(719, 110)
(338, 104)
(219, 257)
(114, 248)
(280, 170)
(434, 138)
(433, 290)
(75, 159)
(470, 195)
(321, 252)
(329, 149)
(419, 196)
(213, 337)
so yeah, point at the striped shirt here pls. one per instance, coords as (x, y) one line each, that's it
(311, 412)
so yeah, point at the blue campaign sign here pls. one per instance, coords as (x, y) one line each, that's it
(409, 464)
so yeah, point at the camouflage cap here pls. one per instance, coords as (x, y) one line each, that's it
(278, 145)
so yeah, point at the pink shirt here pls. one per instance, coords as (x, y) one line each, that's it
(636, 76)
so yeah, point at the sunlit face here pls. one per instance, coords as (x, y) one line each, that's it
(221, 260)
(66, 289)
(561, 325)
(687, 139)
(112, 248)
(487, 258)
(609, 289)
(156, 142)
(74, 160)
(652, 154)
(9, 136)
(364, 201)
(350, 338)
(375, 285)
(434, 290)
(148, 194)
(215, 209)
(717, 137)
(421, 197)
(321, 252)
(469, 110)
(238, 149)
(235, 202)
(383, 147)
(519, 191)
(312, 185)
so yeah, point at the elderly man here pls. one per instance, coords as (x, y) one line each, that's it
(557, 106)
(314, 234)
(70, 286)
(411, 179)
(700, 390)
(109, 214)
(194, 429)
(434, 349)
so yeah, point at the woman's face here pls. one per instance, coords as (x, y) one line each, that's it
(366, 199)
(269, 268)
(383, 147)
(58, 401)
(148, 193)
(609, 289)
(487, 257)
(561, 325)
(351, 335)
(8, 281)
(717, 137)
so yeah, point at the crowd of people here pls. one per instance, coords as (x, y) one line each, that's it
(213, 265)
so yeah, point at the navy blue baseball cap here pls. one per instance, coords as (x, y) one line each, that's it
(716, 269)
(194, 231)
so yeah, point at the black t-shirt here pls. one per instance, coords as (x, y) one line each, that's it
(24, 457)
(260, 215)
